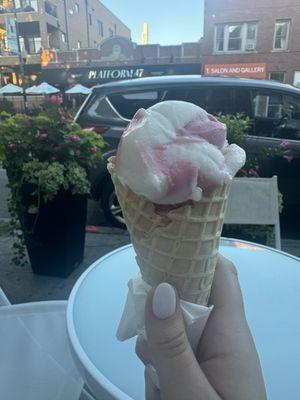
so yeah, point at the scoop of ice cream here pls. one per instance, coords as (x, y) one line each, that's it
(175, 150)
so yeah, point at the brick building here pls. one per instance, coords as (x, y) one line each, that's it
(55, 24)
(252, 39)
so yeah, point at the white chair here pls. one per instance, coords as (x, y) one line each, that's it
(35, 360)
(254, 201)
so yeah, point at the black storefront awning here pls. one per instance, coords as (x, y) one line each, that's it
(90, 76)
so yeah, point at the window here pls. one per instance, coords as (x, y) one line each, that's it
(79, 44)
(278, 76)
(63, 37)
(50, 9)
(297, 79)
(35, 44)
(115, 28)
(281, 35)
(235, 37)
(22, 44)
(29, 5)
(100, 28)
(110, 32)
(77, 8)
(90, 18)
(128, 103)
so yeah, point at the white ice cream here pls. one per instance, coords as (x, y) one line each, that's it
(173, 151)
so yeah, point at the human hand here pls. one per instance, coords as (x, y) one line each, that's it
(226, 365)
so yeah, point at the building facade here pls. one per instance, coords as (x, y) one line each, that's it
(259, 39)
(55, 24)
(120, 58)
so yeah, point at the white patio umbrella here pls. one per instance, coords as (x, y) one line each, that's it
(30, 89)
(11, 89)
(78, 89)
(44, 88)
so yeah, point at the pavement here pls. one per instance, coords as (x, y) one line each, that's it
(21, 285)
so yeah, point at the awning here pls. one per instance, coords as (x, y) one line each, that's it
(78, 89)
(11, 89)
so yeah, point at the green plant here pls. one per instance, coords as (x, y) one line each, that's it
(238, 126)
(48, 152)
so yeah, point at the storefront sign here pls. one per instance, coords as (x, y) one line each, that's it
(250, 70)
(112, 74)
(89, 76)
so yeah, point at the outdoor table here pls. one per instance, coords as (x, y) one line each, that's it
(270, 282)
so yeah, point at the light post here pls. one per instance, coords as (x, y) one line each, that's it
(22, 57)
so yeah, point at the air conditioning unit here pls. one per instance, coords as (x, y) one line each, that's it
(250, 46)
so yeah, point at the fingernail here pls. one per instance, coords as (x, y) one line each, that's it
(153, 374)
(164, 301)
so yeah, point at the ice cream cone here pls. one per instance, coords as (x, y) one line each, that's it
(179, 247)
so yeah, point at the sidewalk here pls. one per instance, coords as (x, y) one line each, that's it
(21, 285)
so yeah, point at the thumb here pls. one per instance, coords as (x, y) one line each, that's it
(180, 376)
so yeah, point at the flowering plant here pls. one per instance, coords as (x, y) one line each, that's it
(49, 152)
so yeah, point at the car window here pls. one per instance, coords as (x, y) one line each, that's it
(175, 93)
(126, 104)
(268, 105)
(242, 101)
(199, 96)
(220, 100)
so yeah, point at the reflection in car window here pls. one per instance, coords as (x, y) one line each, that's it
(220, 100)
(268, 105)
(127, 104)
(199, 96)
(177, 93)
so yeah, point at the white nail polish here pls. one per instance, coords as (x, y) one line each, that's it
(164, 301)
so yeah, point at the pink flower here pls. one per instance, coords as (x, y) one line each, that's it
(77, 152)
(11, 145)
(253, 172)
(93, 149)
(73, 138)
(288, 158)
(284, 143)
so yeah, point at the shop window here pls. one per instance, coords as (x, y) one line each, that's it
(297, 79)
(281, 35)
(268, 106)
(278, 76)
(237, 37)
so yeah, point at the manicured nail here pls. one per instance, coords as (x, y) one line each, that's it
(153, 375)
(164, 301)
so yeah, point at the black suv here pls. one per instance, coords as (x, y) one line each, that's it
(274, 109)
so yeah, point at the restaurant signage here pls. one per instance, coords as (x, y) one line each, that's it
(246, 70)
(118, 73)
(89, 76)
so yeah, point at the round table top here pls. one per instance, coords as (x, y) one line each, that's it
(270, 282)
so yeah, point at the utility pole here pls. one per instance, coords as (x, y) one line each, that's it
(21, 59)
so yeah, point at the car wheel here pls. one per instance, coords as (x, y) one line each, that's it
(111, 207)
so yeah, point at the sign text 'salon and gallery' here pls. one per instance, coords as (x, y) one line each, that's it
(246, 70)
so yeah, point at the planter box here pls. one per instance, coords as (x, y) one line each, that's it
(56, 244)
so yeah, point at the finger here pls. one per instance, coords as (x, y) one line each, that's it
(226, 350)
(143, 351)
(151, 391)
(180, 376)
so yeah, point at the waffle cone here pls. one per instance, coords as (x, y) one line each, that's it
(179, 247)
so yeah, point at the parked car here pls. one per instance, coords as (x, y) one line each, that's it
(274, 109)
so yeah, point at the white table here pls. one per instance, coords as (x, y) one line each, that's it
(270, 282)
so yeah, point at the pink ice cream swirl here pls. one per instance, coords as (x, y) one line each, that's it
(174, 151)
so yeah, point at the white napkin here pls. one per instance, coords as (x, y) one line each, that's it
(133, 319)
